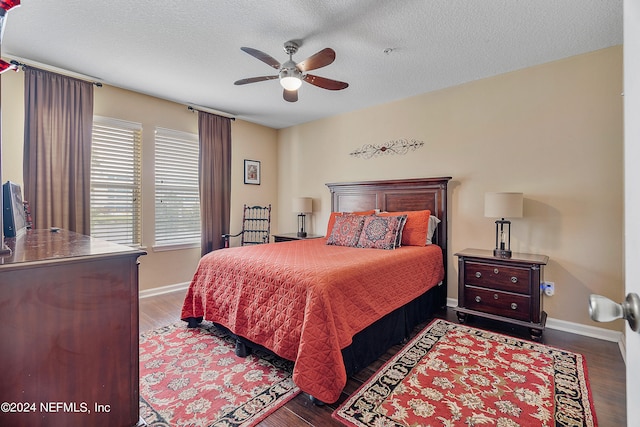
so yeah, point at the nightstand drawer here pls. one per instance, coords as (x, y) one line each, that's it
(506, 278)
(498, 303)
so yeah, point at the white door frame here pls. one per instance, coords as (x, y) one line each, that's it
(631, 56)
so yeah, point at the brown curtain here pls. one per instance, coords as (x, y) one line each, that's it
(215, 179)
(57, 150)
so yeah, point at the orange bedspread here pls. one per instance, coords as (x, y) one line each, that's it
(304, 300)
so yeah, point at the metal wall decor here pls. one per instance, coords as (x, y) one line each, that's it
(398, 146)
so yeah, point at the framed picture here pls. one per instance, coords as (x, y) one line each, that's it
(252, 172)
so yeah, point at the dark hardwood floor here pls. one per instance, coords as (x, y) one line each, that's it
(606, 368)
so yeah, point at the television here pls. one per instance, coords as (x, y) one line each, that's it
(14, 218)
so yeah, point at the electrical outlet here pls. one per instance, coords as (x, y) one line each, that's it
(549, 288)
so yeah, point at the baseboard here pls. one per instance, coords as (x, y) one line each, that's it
(574, 328)
(146, 293)
(585, 330)
(623, 349)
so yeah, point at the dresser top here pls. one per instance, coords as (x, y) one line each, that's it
(515, 256)
(46, 245)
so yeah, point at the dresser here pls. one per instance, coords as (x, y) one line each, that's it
(68, 331)
(503, 289)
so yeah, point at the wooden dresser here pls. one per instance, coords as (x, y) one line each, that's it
(68, 331)
(504, 289)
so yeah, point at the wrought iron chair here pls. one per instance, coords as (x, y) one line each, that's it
(256, 226)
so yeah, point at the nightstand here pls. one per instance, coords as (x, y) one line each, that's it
(503, 289)
(286, 237)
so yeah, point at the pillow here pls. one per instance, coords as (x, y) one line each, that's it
(416, 227)
(346, 230)
(381, 232)
(433, 223)
(332, 218)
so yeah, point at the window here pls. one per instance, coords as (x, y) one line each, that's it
(116, 180)
(177, 189)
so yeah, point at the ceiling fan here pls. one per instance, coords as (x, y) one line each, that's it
(292, 74)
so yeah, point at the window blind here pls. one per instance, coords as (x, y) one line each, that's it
(116, 180)
(177, 199)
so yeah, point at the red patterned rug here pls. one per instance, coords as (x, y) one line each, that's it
(192, 377)
(454, 375)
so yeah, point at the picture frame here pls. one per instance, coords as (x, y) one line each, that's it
(252, 172)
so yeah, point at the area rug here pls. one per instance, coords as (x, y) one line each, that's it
(192, 377)
(455, 375)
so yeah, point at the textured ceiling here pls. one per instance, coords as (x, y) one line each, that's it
(189, 51)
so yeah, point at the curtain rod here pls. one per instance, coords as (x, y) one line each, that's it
(209, 110)
(18, 63)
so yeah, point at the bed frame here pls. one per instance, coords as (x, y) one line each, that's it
(394, 195)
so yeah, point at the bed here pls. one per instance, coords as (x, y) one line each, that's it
(330, 309)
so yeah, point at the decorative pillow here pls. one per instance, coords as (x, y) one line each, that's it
(416, 227)
(346, 230)
(433, 223)
(332, 218)
(379, 232)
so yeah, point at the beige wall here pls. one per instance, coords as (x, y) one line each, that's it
(12, 126)
(254, 142)
(553, 132)
(249, 141)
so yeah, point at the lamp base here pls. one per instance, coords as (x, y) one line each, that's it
(302, 234)
(502, 253)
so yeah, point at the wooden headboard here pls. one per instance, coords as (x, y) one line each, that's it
(394, 196)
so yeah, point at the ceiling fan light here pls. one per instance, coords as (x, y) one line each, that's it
(290, 76)
(290, 82)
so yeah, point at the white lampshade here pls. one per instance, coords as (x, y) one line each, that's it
(302, 204)
(503, 205)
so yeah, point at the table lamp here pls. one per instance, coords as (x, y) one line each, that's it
(302, 205)
(503, 205)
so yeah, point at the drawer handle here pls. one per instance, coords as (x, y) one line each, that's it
(478, 299)
(495, 296)
(514, 306)
(514, 279)
(478, 274)
(496, 271)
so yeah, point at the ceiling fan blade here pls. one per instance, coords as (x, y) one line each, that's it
(267, 59)
(321, 59)
(325, 83)
(254, 80)
(290, 95)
